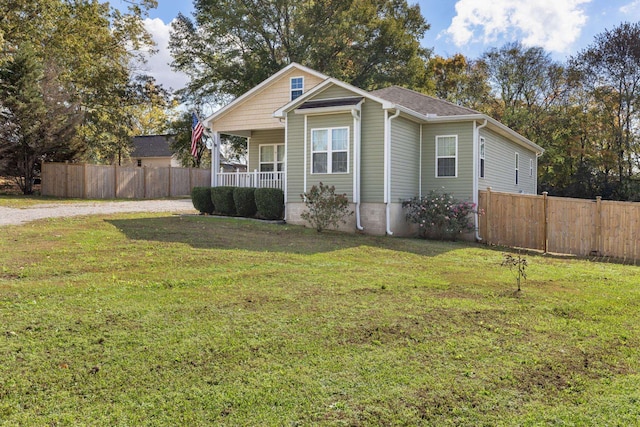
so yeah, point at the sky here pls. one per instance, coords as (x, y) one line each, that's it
(470, 27)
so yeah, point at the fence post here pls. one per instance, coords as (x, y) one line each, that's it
(170, 181)
(545, 243)
(115, 181)
(599, 225)
(66, 179)
(84, 180)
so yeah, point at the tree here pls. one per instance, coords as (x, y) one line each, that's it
(610, 71)
(75, 84)
(460, 81)
(234, 44)
(39, 119)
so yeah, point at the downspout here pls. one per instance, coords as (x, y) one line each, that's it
(387, 164)
(357, 123)
(420, 164)
(476, 185)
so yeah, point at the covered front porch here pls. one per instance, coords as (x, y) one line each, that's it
(265, 161)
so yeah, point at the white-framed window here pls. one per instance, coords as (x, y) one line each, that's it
(517, 167)
(531, 167)
(297, 87)
(482, 152)
(272, 158)
(447, 156)
(330, 150)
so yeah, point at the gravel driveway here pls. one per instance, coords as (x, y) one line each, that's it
(13, 216)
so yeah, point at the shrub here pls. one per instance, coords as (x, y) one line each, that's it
(222, 198)
(201, 198)
(325, 207)
(269, 203)
(245, 201)
(440, 215)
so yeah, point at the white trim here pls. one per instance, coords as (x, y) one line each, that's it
(420, 165)
(306, 154)
(530, 167)
(324, 85)
(275, 157)
(447, 157)
(259, 87)
(517, 170)
(291, 89)
(286, 163)
(329, 152)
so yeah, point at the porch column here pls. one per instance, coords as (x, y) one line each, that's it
(215, 159)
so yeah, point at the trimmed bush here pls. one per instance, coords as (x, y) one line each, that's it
(201, 199)
(270, 203)
(245, 201)
(440, 216)
(222, 198)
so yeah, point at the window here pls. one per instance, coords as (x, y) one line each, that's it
(139, 162)
(517, 166)
(482, 157)
(330, 150)
(447, 156)
(272, 158)
(297, 87)
(530, 167)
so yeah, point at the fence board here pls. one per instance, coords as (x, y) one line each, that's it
(130, 183)
(108, 182)
(561, 225)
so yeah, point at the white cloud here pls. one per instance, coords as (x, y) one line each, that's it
(552, 24)
(158, 65)
(632, 9)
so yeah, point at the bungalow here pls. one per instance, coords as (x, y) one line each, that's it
(380, 148)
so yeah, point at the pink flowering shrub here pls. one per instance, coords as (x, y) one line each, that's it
(439, 215)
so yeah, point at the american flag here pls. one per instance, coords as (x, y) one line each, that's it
(196, 134)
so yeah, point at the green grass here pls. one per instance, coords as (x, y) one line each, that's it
(167, 320)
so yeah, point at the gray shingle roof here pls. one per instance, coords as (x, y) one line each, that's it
(151, 146)
(421, 103)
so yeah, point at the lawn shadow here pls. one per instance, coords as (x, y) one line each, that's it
(207, 232)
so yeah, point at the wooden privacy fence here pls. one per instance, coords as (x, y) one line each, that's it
(561, 225)
(120, 182)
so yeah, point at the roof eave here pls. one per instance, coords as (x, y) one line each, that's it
(259, 87)
(281, 112)
(496, 124)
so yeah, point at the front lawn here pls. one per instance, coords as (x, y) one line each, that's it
(144, 319)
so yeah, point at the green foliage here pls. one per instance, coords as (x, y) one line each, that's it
(369, 43)
(440, 215)
(269, 203)
(222, 198)
(245, 201)
(75, 108)
(517, 263)
(201, 198)
(325, 208)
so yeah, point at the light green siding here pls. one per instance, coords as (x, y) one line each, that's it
(333, 92)
(260, 137)
(500, 165)
(405, 159)
(295, 157)
(461, 186)
(372, 153)
(342, 181)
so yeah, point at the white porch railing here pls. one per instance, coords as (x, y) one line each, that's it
(251, 179)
